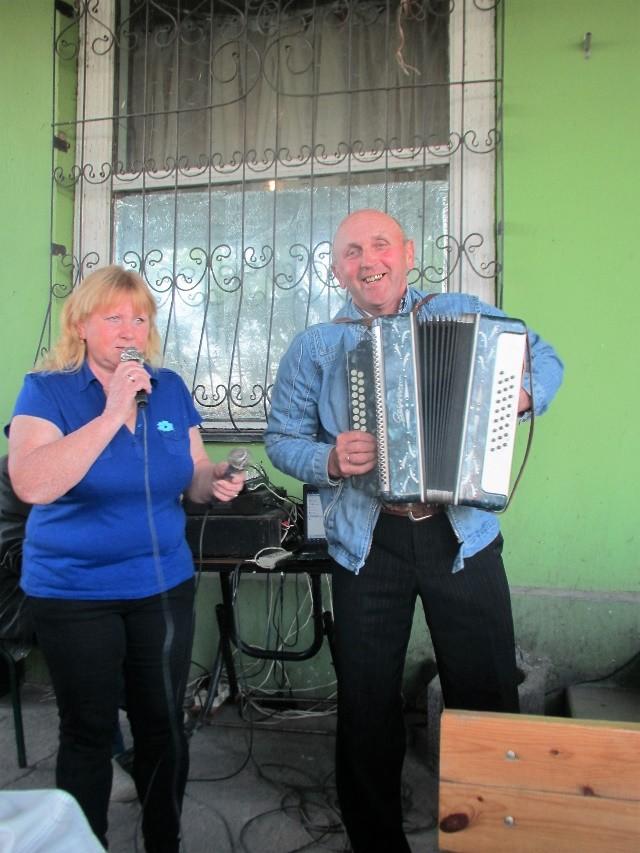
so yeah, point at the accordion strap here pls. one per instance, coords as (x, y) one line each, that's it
(424, 301)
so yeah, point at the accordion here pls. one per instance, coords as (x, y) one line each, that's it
(441, 397)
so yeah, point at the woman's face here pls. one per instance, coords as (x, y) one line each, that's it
(112, 328)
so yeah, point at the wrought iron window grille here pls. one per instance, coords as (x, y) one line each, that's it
(214, 147)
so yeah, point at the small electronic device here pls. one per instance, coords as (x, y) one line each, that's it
(234, 534)
(314, 533)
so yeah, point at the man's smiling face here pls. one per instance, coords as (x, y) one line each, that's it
(371, 259)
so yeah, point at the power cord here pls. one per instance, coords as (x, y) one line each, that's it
(314, 802)
(606, 677)
(270, 556)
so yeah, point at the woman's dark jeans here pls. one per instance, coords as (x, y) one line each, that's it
(88, 645)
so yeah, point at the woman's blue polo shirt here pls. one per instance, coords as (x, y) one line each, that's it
(101, 540)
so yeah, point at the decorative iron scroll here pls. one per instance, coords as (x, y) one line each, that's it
(215, 145)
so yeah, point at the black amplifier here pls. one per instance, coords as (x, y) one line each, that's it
(234, 535)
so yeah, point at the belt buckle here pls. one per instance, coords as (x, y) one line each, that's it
(407, 511)
(416, 518)
(430, 512)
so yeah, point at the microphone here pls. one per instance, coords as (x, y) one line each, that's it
(237, 461)
(132, 354)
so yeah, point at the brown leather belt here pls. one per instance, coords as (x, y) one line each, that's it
(414, 511)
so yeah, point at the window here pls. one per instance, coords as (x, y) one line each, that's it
(218, 145)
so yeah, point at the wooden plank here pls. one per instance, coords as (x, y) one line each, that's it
(476, 819)
(585, 757)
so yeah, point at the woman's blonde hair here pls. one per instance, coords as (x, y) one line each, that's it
(100, 289)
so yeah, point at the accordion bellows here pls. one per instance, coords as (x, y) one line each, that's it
(441, 396)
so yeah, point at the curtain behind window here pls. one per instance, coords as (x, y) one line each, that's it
(215, 91)
(248, 130)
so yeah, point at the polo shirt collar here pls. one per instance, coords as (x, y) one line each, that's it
(85, 376)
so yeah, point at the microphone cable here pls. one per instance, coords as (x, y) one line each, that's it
(170, 695)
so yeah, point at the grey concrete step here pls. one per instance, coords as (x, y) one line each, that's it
(604, 702)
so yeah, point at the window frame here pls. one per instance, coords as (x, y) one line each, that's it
(472, 171)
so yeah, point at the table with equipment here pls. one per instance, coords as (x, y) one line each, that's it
(313, 564)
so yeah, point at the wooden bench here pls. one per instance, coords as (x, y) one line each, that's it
(512, 783)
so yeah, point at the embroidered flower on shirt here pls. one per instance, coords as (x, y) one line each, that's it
(165, 426)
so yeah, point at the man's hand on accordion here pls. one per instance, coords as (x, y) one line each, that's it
(524, 401)
(355, 453)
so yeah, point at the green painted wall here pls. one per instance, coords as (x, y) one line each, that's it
(25, 181)
(571, 130)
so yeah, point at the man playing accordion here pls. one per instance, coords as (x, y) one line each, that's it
(388, 555)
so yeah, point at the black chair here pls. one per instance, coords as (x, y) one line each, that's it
(12, 653)
(16, 629)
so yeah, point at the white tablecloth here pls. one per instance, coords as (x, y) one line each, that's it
(44, 821)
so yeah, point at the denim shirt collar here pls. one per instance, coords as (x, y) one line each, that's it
(350, 309)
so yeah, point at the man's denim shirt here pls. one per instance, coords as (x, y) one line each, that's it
(310, 408)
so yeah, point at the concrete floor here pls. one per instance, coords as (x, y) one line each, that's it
(253, 788)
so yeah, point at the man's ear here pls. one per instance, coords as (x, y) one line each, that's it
(336, 276)
(410, 253)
